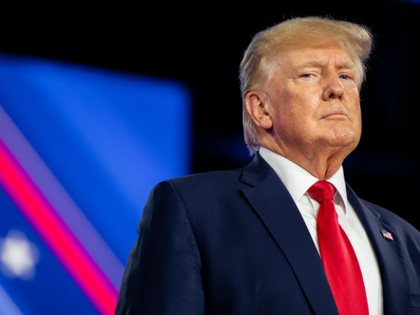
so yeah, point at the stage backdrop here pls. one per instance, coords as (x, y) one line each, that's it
(80, 150)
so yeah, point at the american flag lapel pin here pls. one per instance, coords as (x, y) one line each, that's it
(386, 235)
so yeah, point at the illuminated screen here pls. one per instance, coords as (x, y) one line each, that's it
(80, 150)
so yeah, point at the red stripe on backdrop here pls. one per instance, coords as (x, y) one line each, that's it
(56, 235)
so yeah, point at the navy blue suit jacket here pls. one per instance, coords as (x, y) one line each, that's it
(234, 243)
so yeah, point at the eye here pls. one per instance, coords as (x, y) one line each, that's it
(345, 77)
(306, 75)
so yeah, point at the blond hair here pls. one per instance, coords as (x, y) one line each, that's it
(254, 70)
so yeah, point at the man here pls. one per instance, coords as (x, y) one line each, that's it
(283, 235)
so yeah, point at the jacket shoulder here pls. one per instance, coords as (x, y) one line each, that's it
(220, 179)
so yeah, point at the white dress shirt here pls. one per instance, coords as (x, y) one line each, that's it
(297, 181)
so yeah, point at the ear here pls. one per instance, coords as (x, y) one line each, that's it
(257, 107)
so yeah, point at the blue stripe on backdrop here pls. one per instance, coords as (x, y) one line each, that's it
(7, 306)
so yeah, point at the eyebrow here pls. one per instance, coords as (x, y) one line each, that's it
(316, 63)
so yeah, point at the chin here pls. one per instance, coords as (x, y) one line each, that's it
(341, 136)
(350, 145)
(342, 141)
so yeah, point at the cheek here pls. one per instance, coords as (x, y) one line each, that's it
(353, 99)
(296, 112)
(357, 114)
(304, 108)
(296, 119)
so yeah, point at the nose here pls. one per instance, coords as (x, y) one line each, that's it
(334, 89)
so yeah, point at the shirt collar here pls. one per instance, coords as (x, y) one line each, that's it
(298, 180)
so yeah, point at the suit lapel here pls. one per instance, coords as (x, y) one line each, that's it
(396, 293)
(276, 208)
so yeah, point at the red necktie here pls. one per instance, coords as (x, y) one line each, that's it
(337, 254)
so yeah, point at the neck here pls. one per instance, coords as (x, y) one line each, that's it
(322, 162)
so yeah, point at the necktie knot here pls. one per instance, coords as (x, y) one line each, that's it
(322, 190)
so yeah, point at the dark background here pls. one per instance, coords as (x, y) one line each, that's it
(202, 45)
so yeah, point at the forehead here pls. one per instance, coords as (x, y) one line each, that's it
(313, 55)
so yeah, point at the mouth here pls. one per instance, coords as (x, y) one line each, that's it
(336, 114)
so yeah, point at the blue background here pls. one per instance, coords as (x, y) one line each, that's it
(108, 138)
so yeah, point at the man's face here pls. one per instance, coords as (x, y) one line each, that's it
(313, 99)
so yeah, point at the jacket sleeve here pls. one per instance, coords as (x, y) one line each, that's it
(163, 271)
